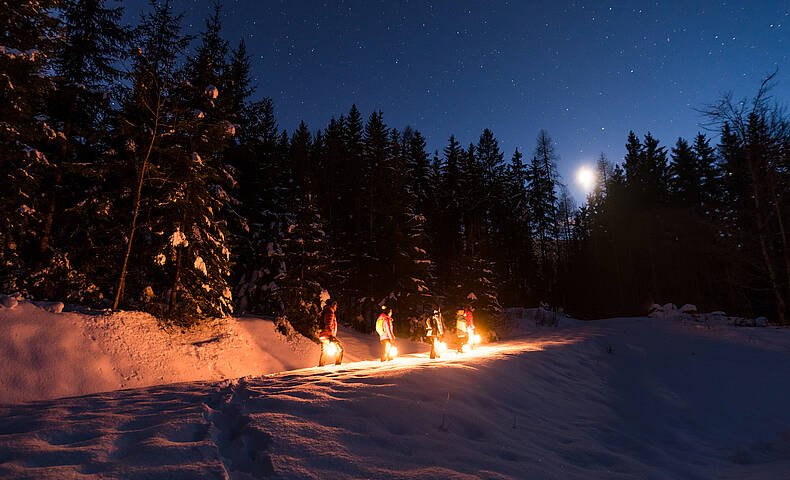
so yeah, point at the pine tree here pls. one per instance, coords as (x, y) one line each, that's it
(447, 242)
(29, 40)
(758, 133)
(79, 228)
(472, 200)
(655, 173)
(264, 180)
(421, 179)
(300, 159)
(194, 248)
(646, 170)
(239, 89)
(634, 170)
(404, 231)
(515, 244)
(710, 176)
(305, 255)
(685, 176)
(148, 118)
(542, 200)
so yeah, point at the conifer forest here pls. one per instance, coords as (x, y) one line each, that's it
(142, 168)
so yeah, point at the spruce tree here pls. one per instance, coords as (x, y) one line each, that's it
(707, 165)
(305, 256)
(515, 245)
(28, 139)
(150, 114)
(542, 200)
(80, 228)
(655, 171)
(685, 176)
(194, 213)
(447, 241)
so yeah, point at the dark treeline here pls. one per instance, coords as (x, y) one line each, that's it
(139, 172)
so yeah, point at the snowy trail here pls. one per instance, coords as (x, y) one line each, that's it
(613, 399)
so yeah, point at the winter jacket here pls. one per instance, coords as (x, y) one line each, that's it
(435, 325)
(384, 327)
(460, 324)
(470, 320)
(328, 323)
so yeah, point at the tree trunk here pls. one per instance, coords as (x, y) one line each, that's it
(46, 233)
(176, 280)
(133, 227)
(783, 237)
(781, 307)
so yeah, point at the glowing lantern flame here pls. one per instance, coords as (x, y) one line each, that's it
(441, 347)
(476, 339)
(466, 348)
(330, 348)
(393, 351)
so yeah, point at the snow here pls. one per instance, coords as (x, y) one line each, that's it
(324, 296)
(688, 308)
(617, 398)
(13, 53)
(178, 239)
(200, 265)
(52, 307)
(47, 355)
(8, 301)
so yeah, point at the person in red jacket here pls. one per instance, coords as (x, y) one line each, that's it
(470, 318)
(384, 329)
(465, 327)
(328, 334)
(470, 325)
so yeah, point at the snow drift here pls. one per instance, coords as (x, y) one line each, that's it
(47, 354)
(611, 399)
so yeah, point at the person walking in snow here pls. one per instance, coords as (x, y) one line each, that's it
(460, 329)
(329, 343)
(470, 319)
(470, 324)
(384, 329)
(435, 329)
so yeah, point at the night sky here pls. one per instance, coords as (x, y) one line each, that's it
(587, 72)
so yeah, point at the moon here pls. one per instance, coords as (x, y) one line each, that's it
(585, 176)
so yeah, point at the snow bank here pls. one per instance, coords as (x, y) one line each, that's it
(611, 399)
(516, 322)
(47, 354)
(689, 312)
(8, 301)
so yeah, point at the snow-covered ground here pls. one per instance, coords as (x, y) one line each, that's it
(48, 355)
(618, 398)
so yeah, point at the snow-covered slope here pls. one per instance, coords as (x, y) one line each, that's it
(46, 354)
(620, 398)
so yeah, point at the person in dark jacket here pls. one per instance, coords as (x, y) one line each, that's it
(330, 345)
(435, 330)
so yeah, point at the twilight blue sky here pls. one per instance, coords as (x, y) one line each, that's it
(587, 72)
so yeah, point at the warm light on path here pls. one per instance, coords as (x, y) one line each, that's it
(487, 351)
